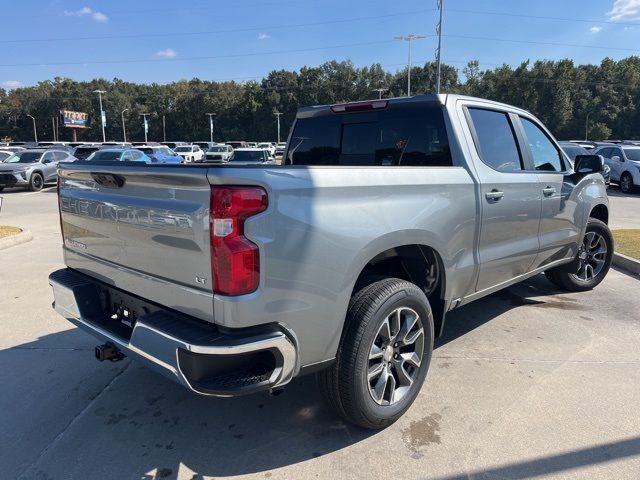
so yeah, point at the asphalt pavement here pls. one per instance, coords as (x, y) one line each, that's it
(530, 382)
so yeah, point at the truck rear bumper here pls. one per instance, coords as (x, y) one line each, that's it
(193, 353)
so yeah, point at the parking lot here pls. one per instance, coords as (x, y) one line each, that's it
(529, 382)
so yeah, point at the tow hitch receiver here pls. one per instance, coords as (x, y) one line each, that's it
(108, 351)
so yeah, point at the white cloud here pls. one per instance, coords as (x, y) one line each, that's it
(625, 10)
(167, 53)
(264, 36)
(97, 16)
(595, 29)
(11, 84)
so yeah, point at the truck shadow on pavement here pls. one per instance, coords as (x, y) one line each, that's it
(137, 424)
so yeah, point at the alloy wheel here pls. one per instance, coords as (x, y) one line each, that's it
(592, 256)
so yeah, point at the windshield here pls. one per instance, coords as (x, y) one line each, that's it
(105, 155)
(247, 156)
(24, 157)
(574, 151)
(632, 154)
(183, 149)
(218, 149)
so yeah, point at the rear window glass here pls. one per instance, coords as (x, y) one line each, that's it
(496, 141)
(411, 135)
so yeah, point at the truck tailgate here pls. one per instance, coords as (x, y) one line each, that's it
(142, 229)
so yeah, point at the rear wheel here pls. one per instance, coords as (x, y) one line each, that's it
(592, 262)
(626, 182)
(36, 182)
(383, 356)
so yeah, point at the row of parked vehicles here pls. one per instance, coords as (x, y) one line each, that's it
(32, 165)
(621, 160)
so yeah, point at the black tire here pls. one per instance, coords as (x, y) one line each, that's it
(626, 183)
(36, 182)
(567, 279)
(345, 385)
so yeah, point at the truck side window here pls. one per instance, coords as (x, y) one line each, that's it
(496, 143)
(546, 156)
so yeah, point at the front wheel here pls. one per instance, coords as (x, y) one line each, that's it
(592, 262)
(383, 356)
(36, 182)
(626, 182)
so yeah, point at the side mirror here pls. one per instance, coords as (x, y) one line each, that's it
(589, 164)
(616, 158)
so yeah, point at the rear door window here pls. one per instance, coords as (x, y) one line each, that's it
(495, 140)
(400, 135)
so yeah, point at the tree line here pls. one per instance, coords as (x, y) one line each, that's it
(565, 96)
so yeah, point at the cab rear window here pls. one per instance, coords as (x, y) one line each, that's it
(400, 135)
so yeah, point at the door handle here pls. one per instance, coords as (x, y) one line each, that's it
(494, 195)
(548, 191)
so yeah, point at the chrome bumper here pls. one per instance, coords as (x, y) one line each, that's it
(187, 351)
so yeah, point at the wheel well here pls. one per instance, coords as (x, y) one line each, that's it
(601, 213)
(418, 264)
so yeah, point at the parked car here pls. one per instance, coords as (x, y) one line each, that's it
(250, 156)
(624, 161)
(422, 205)
(161, 154)
(4, 154)
(280, 147)
(269, 147)
(204, 146)
(83, 151)
(573, 150)
(173, 145)
(143, 144)
(218, 153)
(32, 168)
(118, 155)
(13, 149)
(238, 144)
(190, 153)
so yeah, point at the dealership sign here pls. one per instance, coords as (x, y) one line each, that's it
(73, 119)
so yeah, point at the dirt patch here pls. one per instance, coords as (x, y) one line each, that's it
(422, 432)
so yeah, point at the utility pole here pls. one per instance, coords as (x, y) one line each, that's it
(35, 131)
(586, 127)
(164, 130)
(409, 39)
(53, 128)
(278, 114)
(439, 50)
(380, 91)
(103, 115)
(124, 130)
(146, 125)
(211, 115)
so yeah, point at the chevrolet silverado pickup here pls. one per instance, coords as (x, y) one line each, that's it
(343, 261)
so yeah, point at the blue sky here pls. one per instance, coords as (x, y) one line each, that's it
(162, 41)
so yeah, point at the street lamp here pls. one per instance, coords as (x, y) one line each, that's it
(211, 115)
(124, 130)
(103, 116)
(35, 131)
(586, 127)
(146, 125)
(380, 91)
(409, 39)
(278, 114)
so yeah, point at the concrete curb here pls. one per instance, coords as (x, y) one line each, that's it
(23, 237)
(629, 264)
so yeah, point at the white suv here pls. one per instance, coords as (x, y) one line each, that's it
(190, 153)
(624, 161)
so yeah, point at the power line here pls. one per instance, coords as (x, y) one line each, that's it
(535, 42)
(214, 32)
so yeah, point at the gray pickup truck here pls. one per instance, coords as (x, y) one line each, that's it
(343, 261)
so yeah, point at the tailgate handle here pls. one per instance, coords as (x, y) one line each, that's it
(108, 180)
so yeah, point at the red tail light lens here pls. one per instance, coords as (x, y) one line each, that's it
(359, 106)
(235, 261)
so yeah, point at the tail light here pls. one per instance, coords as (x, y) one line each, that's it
(235, 261)
(359, 106)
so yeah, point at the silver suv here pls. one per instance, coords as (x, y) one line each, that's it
(32, 169)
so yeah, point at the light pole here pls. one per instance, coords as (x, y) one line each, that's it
(409, 39)
(103, 116)
(278, 114)
(586, 127)
(380, 91)
(35, 131)
(146, 125)
(211, 115)
(439, 50)
(124, 130)
(164, 130)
